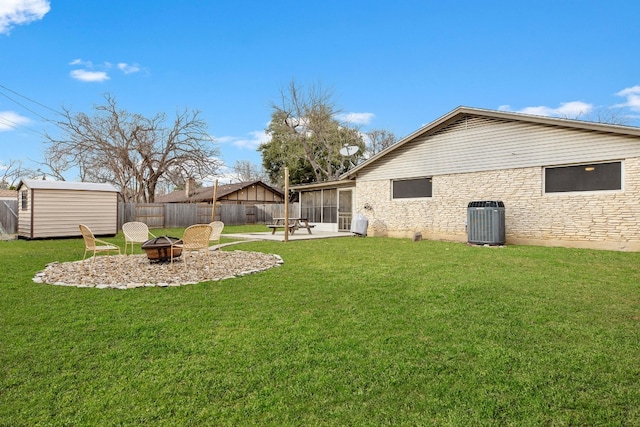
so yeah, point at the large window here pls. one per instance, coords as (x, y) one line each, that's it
(588, 177)
(411, 188)
(319, 205)
(330, 206)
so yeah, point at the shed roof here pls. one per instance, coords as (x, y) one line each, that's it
(66, 185)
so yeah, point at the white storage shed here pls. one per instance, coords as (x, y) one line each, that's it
(48, 209)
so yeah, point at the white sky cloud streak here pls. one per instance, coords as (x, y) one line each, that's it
(21, 12)
(89, 76)
(573, 109)
(633, 98)
(99, 73)
(9, 120)
(356, 118)
(251, 142)
(128, 68)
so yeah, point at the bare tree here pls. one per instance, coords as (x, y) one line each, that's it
(130, 151)
(244, 170)
(611, 116)
(378, 140)
(12, 172)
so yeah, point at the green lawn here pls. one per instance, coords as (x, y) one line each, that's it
(348, 332)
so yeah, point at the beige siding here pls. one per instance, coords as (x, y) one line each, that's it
(474, 144)
(24, 215)
(57, 213)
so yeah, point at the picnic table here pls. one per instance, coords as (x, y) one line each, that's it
(294, 224)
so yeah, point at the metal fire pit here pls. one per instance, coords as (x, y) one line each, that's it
(159, 249)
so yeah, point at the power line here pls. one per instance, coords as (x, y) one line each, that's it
(26, 108)
(30, 100)
(15, 125)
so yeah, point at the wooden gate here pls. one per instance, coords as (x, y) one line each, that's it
(8, 216)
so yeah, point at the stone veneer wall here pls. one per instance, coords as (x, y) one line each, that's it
(600, 220)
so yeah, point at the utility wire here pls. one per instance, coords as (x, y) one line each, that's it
(15, 125)
(26, 108)
(45, 119)
(30, 100)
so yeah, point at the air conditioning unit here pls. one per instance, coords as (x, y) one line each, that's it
(485, 222)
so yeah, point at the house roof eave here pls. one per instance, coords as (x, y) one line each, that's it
(325, 184)
(505, 115)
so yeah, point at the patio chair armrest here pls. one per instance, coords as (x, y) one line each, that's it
(105, 243)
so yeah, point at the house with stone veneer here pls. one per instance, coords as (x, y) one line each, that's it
(563, 182)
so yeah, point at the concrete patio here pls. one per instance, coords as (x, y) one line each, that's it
(279, 235)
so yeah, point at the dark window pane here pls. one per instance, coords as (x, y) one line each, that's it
(409, 188)
(329, 198)
(329, 215)
(594, 177)
(305, 212)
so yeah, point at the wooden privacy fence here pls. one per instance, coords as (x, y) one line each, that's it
(169, 215)
(8, 216)
(177, 215)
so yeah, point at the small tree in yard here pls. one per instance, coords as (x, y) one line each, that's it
(130, 151)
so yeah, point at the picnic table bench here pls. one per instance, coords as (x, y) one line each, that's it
(294, 224)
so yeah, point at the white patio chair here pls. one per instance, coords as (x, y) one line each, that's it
(135, 232)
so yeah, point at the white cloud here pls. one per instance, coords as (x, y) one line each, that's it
(89, 76)
(356, 118)
(20, 12)
(225, 176)
(128, 68)
(254, 139)
(9, 120)
(633, 98)
(98, 73)
(573, 109)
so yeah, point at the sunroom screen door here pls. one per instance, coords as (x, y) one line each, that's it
(344, 209)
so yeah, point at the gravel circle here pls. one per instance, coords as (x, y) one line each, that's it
(136, 271)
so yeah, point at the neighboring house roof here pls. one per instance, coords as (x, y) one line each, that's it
(205, 194)
(66, 185)
(460, 112)
(8, 194)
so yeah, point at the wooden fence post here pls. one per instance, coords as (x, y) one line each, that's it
(286, 204)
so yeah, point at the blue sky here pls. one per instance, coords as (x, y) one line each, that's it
(394, 65)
